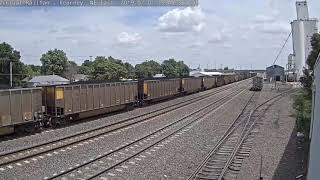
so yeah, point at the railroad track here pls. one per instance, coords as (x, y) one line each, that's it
(225, 159)
(104, 163)
(50, 147)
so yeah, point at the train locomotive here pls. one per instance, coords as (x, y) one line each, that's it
(30, 109)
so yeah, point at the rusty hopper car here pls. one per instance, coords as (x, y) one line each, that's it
(158, 89)
(20, 108)
(209, 82)
(69, 102)
(191, 85)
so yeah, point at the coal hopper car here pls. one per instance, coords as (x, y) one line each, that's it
(151, 90)
(20, 108)
(78, 101)
(191, 85)
(209, 82)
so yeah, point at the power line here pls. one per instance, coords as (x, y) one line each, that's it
(274, 62)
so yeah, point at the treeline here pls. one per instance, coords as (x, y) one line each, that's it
(101, 68)
(303, 100)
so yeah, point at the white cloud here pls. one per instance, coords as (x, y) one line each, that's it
(269, 24)
(182, 20)
(227, 46)
(263, 19)
(273, 28)
(128, 39)
(220, 37)
(195, 45)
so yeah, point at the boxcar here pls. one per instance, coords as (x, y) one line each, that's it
(191, 85)
(209, 82)
(20, 107)
(68, 102)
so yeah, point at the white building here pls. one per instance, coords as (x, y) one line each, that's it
(302, 31)
(314, 153)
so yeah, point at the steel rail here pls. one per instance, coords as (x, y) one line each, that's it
(228, 132)
(248, 131)
(232, 94)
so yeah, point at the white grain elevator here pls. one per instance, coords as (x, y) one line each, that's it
(303, 29)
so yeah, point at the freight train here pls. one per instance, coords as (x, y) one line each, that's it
(30, 109)
(257, 84)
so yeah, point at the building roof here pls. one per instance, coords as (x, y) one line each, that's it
(275, 66)
(80, 77)
(159, 76)
(26, 79)
(198, 74)
(50, 79)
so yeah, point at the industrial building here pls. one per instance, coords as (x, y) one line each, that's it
(314, 153)
(275, 73)
(302, 30)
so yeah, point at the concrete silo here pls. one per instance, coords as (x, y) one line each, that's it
(302, 31)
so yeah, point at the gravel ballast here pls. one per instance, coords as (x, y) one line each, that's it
(58, 162)
(181, 156)
(275, 143)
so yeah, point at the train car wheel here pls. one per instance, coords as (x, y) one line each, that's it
(55, 122)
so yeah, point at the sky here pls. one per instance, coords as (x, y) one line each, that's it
(239, 34)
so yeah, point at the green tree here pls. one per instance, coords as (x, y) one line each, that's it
(183, 69)
(86, 67)
(169, 68)
(105, 69)
(130, 69)
(307, 78)
(35, 69)
(172, 68)
(71, 70)
(54, 62)
(32, 70)
(315, 44)
(7, 54)
(147, 69)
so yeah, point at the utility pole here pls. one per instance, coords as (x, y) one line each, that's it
(260, 176)
(10, 73)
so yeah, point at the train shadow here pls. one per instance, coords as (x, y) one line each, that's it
(293, 162)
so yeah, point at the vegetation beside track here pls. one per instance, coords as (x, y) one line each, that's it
(303, 100)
